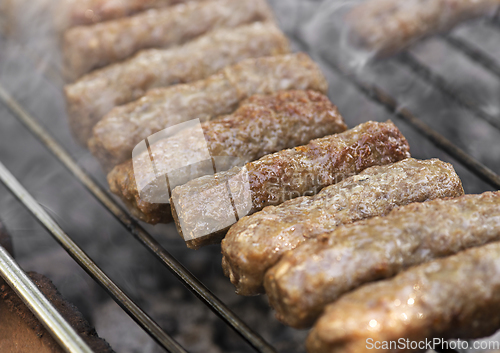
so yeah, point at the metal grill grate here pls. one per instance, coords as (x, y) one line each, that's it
(135, 229)
(370, 90)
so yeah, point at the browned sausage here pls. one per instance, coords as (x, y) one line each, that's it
(206, 207)
(454, 297)
(321, 270)
(85, 12)
(63, 14)
(95, 94)
(388, 26)
(256, 243)
(116, 135)
(89, 47)
(262, 124)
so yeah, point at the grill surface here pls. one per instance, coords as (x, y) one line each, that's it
(443, 94)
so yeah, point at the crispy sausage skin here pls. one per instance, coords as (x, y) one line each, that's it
(96, 94)
(262, 124)
(64, 14)
(89, 47)
(116, 135)
(454, 297)
(86, 12)
(321, 270)
(204, 210)
(256, 243)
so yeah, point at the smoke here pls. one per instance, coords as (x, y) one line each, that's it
(328, 31)
(329, 35)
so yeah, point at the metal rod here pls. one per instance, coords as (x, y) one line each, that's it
(83, 260)
(391, 105)
(376, 94)
(40, 306)
(189, 280)
(438, 81)
(474, 53)
(381, 97)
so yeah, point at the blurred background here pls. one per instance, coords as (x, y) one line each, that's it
(28, 71)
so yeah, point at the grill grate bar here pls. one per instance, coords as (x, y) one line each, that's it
(438, 81)
(378, 95)
(146, 322)
(474, 53)
(43, 309)
(188, 279)
(391, 105)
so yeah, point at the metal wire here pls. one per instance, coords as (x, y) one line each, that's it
(188, 279)
(381, 97)
(378, 95)
(391, 105)
(151, 327)
(442, 84)
(40, 306)
(474, 53)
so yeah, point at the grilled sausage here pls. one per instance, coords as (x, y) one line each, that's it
(206, 207)
(23, 332)
(256, 243)
(388, 26)
(65, 14)
(90, 47)
(320, 270)
(454, 297)
(262, 124)
(116, 135)
(95, 94)
(86, 12)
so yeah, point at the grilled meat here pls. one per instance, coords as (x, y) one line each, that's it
(89, 47)
(388, 26)
(206, 207)
(86, 12)
(321, 270)
(20, 330)
(256, 243)
(262, 124)
(116, 135)
(454, 297)
(64, 14)
(95, 94)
